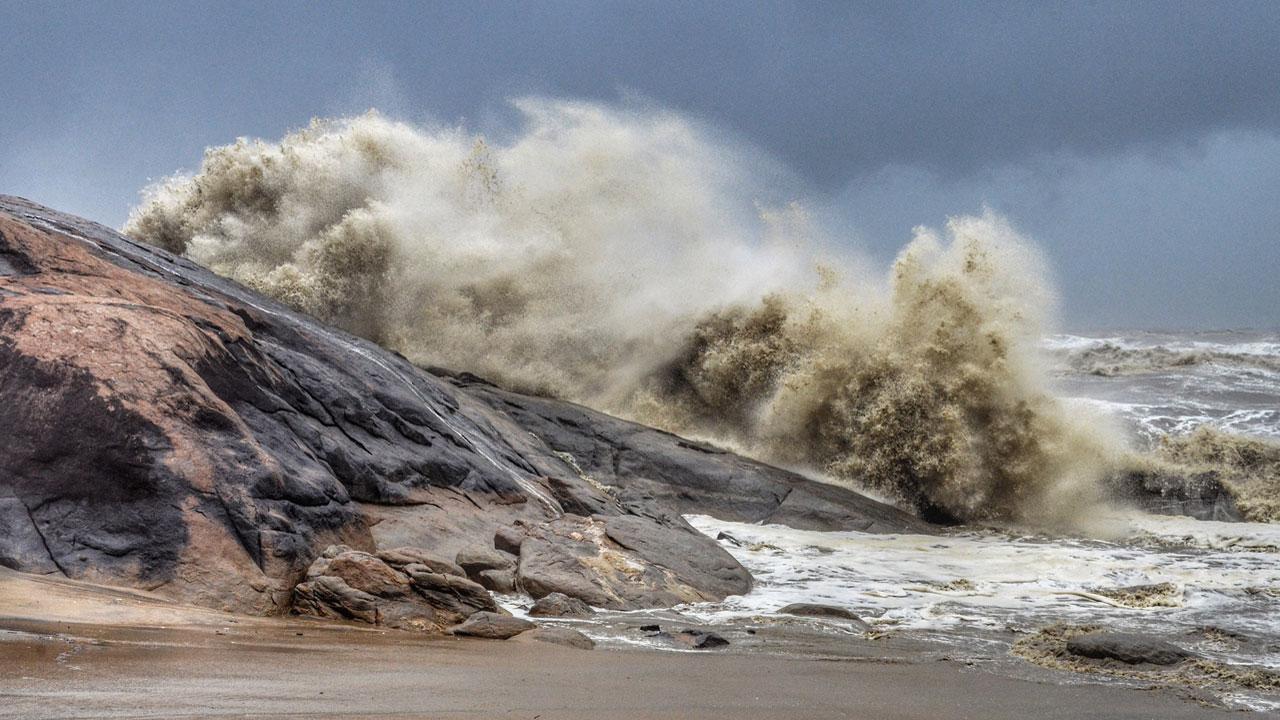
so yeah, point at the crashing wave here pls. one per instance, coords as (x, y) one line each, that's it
(620, 259)
(1248, 467)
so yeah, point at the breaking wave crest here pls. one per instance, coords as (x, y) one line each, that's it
(621, 259)
(1108, 359)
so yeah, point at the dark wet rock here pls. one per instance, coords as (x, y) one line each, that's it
(560, 605)
(1164, 492)
(199, 440)
(627, 563)
(815, 610)
(700, 639)
(558, 636)
(726, 537)
(1129, 648)
(492, 626)
(402, 556)
(508, 539)
(645, 468)
(24, 548)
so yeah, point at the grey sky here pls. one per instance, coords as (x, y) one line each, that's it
(1139, 143)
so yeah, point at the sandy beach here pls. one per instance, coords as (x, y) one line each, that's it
(141, 657)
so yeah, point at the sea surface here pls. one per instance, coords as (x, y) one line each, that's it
(1171, 383)
(1216, 586)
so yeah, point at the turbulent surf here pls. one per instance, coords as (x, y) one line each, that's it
(637, 262)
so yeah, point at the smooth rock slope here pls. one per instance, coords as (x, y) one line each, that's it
(170, 430)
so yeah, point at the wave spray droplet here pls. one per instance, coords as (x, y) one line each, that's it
(620, 259)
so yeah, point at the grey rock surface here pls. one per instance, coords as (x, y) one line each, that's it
(560, 605)
(1128, 648)
(492, 626)
(822, 611)
(558, 636)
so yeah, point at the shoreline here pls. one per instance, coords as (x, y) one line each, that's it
(142, 657)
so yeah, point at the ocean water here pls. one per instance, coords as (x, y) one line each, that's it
(1171, 383)
(978, 583)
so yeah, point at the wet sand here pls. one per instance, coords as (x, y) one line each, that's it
(140, 657)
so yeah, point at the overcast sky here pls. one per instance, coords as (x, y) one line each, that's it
(1138, 143)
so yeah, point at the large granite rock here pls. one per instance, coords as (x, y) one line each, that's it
(171, 430)
(353, 585)
(632, 468)
(627, 562)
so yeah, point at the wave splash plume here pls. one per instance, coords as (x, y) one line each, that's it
(621, 259)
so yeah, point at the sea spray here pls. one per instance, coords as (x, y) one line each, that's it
(1249, 468)
(622, 259)
(937, 398)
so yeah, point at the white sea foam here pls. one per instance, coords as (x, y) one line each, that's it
(1162, 384)
(1225, 575)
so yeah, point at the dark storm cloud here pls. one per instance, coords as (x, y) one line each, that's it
(1013, 105)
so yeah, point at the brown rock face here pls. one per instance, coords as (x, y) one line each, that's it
(171, 430)
(349, 584)
(125, 454)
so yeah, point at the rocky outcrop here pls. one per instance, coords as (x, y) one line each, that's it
(353, 585)
(171, 430)
(626, 562)
(630, 467)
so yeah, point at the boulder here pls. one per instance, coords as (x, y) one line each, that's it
(499, 581)
(492, 626)
(815, 610)
(692, 557)
(1129, 648)
(366, 573)
(558, 636)
(700, 639)
(627, 563)
(327, 596)
(450, 593)
(402, 556)
(350, 584)
(508, 539)
(560, 605)
(476, 560)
